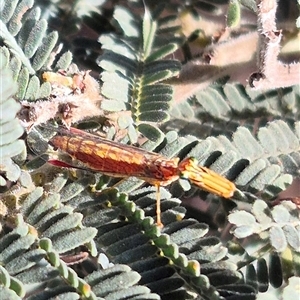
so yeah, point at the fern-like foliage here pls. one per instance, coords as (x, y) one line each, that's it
(279, 224)
(185, 244)
(72, 234)
(233, 100)
(10, 128)
(137, 66)
(27, 46)
(220, 107)
(31, 260)
(264, 164)
(75, 24)
(272, 258)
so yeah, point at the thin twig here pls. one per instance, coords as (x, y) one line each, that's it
(271, 72)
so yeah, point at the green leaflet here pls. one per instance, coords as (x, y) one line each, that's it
(136, 65)
(28, 46)
(225, 105)
(10, 128)
(233, 13)
(11, 288)
(272, 224)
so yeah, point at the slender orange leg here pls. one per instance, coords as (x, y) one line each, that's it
(158, 210)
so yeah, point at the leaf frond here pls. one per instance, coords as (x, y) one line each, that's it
(28, 46)
(220, 108)
(272, 256)
(11, 130)
(137, 65)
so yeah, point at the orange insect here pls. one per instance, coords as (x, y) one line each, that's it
(120, 160)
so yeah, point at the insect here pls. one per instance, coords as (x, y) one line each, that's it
(120, 160)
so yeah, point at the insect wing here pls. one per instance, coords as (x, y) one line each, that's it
(116, 159)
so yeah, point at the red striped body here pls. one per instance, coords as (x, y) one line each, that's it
(116, 159)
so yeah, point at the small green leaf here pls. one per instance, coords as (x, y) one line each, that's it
(13, 171)
(149, 30)
(150, 132)
(157, 77)
(44, 91)
(153, 106)
(127, 21)
(5, 57)
(278, 239)
(113, 105)
(21, 244)
(43, 52)
(161, 52)
(70, 240)
(267, 176)
(64, 61)
(46, 244)
(33, 88)
(8, 294)
(293, 236)
(242, 217)
(68, 222)
(10, 131)
(35, 37)
(233, 13)
(31, 199)
(280, 214)
(17, 286)
(261, 212)
(250, 172)
(153, 116)
(4, 277)
(243, 231)
(292, 290)
(113, 43)
(132, 133)
(22, 81)
(12, 149)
